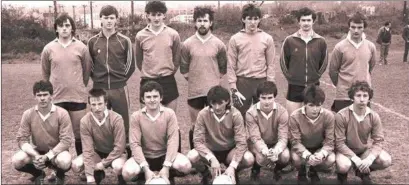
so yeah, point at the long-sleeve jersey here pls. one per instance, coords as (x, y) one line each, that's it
(54, 133)
(224, 134)
(109, 138)
(205, 61)
(352, 136)
(269, 129)
(157, 55)
(154, 137)
(68, 68)
(306, 133)
(251, 56)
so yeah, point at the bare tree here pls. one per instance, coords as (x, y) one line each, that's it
(55, 10)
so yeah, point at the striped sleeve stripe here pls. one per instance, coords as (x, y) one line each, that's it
(129, 53)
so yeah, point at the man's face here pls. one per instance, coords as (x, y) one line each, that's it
(361, 99)
(152, 99)
(251, 23)
(312, 110)
(43, 99)
(98, 106)
(108, 21)
(203, 24)
(156, 18)
(356, 30)
(266, 102)
(64, 30)
(389, 25)
(219, 108)
(306, 22)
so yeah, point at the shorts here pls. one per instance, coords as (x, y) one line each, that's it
(221, 156)
(169, 86)
(72, 106)
(198, 103)
(295, 92)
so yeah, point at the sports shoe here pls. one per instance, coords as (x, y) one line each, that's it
(313, 175)
(302, 176)
(255, 176)
(277, 174)
(206, 177)
(40, 179)
(83, 177)
(366, 180)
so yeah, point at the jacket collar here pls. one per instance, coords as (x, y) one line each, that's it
(314, 35)
(100, 34)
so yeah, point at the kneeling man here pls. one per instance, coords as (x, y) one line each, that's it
(50, 130)
(154, 139)
(220, 136)
(103, 140)
(353, 127)
(312, 136)
(267, 125)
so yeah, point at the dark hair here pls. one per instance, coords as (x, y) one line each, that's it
(252, 11)
(357, 18)
(108, 10)
(313, 94)
(217, 94)
(97, 93)
(201, 12)
(150, 86)
(266, 87)
(43, 85)
(156, 6)
(360, 86)
(387, 23)
(306, 12)
(59, 21)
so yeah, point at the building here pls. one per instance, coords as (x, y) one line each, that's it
(186, 18)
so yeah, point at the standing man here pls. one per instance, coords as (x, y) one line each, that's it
(405, 36)
(44, 137)
(158, 53)
(303, 59)
(103, 139)
(354, 125)
(384, 40)
(154, 139)
(66, 63)
(312, 136)
(113, 63)
(267, 126)
(250, 55)
(352, 59)
(204, 62)
(220, 137)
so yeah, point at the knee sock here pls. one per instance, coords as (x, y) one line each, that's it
(121, 180)
(29, 168)
(78, 147)
(191, 139)
(256, 167)
(99, 175)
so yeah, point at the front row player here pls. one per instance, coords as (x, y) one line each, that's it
(353, 126)
(267, 126)
(103, 140)
(312, 136)
(220, 136)
(154, 139)
(50, 130)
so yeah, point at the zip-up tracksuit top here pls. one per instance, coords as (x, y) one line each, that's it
(113, 60)
(303, 63)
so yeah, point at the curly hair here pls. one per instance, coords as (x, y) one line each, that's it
(201, 11)
(156, 6)
(360, 86)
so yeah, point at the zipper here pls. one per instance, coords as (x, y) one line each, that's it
(306, 63)
(106, 62)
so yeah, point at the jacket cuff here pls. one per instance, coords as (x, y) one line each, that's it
(26, 146)
(305, 154)
(209, 156)
(167, 164)
(234, 164)
(50, 155)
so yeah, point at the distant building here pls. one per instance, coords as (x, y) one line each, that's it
(369, 10)
(182, 18)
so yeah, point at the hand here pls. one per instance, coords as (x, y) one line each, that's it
(99, 166)
(364, 167)
(265, 152)
(238, 98)
(315, 160)
(148, 173)
(164, 172)
(320, 156)
(230, 171)
(39, 161)
(273, 154)
(215, 165)
(186, 76)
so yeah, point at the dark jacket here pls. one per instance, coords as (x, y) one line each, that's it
(113, 60)
(303, 63)
(384, 36)
(405, 33)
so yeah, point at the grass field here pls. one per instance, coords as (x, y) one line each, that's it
(391, 84)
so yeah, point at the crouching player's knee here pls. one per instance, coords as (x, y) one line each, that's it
(63, 160)
(130, 169)
(343, 163)
(383, 161)
(77, 165)
(284, 157)
(118, 164)
(182, 164)
(193, 156)
(247, 161)
(20, 159)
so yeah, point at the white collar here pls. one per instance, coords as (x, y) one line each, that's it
(103, 120)
(53, 109)
(309, 36)
(358, 117)
(217, 118)
(356, 45)
(203, 40)
(154, 32)
(311, 120)
(267, 116)
(387, 29)
(153, 118)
